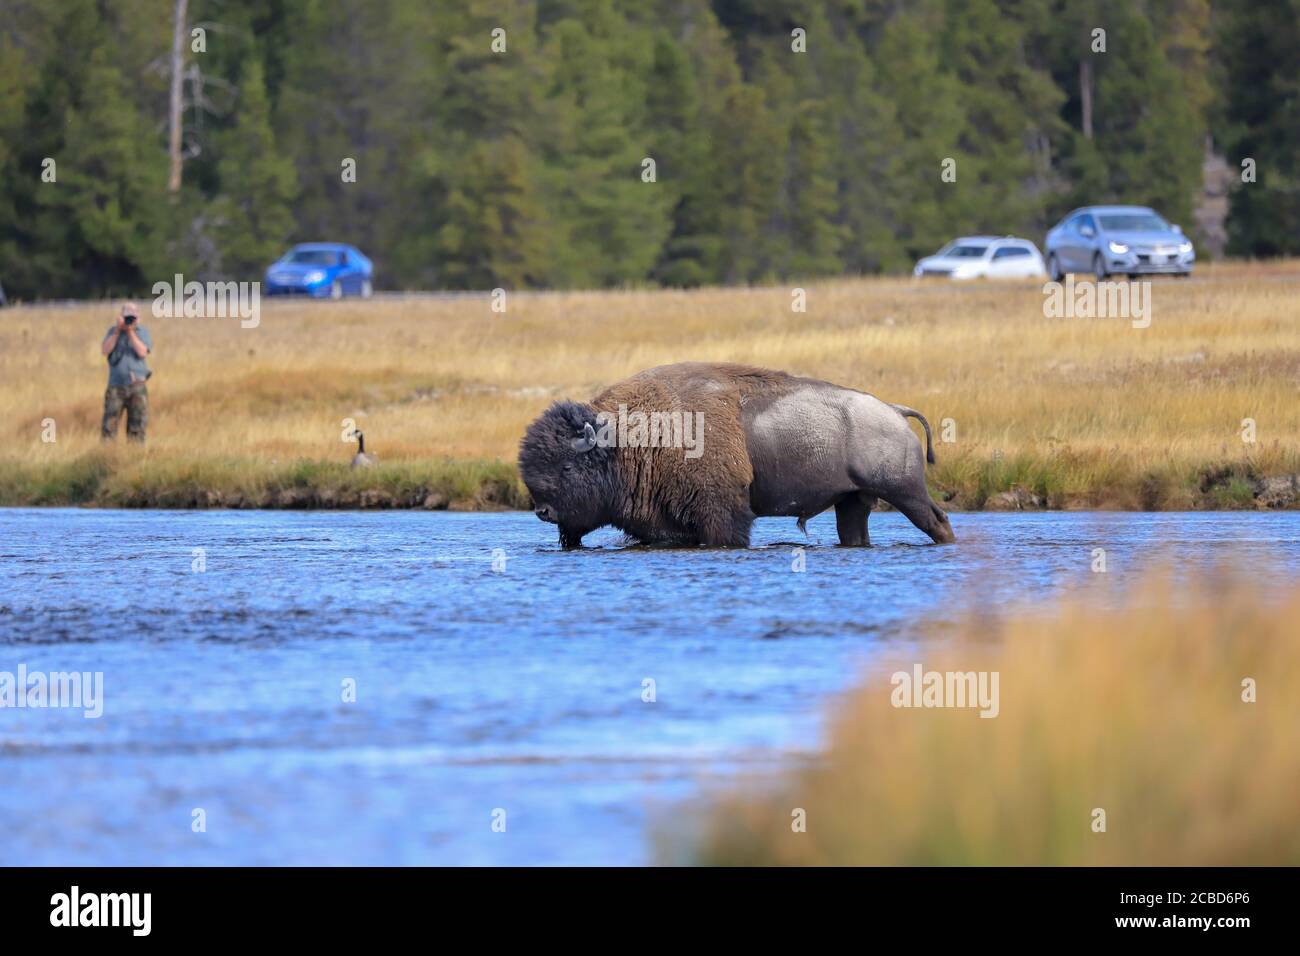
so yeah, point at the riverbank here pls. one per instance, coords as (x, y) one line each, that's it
(1195, 410)
(115, 478)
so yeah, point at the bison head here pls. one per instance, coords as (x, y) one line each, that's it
(569, 474)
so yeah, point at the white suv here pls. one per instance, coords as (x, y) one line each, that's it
(984, 257)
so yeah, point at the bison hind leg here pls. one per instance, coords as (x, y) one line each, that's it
(926, 515)
(851, 513)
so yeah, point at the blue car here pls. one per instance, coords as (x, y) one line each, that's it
(1106, 240)
(322, 270)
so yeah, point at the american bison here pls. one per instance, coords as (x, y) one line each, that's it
(692, 453)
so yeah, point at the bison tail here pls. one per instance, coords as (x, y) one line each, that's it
(913, 413)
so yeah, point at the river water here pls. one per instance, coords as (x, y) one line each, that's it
(434, 688)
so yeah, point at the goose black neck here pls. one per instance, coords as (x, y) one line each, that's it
(361, 443)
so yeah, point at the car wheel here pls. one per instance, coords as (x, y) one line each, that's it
(336, 290)
(1054, 268)
(1099, 268)
(366, 290)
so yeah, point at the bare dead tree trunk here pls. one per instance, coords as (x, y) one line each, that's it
(1085, 95)
(178, 68)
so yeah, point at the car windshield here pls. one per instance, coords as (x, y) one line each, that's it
(313, 257)
(966, 252)
(1133, 222)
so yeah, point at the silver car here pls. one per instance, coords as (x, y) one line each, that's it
(1108, 240)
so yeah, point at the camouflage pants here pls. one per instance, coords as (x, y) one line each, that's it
(134, 400)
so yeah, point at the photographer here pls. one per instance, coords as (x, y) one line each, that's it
(125, 346)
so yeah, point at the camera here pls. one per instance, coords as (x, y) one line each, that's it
(128, 319)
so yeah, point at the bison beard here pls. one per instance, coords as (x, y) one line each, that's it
(773, 444)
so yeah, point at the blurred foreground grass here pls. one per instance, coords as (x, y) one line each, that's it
(1137, 711)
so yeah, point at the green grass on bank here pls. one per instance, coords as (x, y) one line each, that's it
(124, 477)
(1064, 479)
(117, 478)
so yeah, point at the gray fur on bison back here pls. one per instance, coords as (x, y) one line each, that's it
(774, 444)
(819, 441)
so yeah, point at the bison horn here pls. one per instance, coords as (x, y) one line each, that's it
(588, 440)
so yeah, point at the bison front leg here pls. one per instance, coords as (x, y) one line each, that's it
(851, 513)
(725, 528)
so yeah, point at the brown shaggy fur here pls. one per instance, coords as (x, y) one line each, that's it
(661, 489)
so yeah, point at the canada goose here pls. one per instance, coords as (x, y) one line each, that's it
(361, 459)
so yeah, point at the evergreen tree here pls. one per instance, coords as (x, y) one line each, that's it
(850, 135)
(104, 213)
(1182, 28)
(815, 236)
(1146, 128)
(1147, 139)
(748, 162)
(927, 101)
(13, 93)
(694, 250)
(357, 74)
(479, 185)
(1261, 124)
(43, 240)
(14, 73)
(1009, 114)
(490, 235)
(675, 129)
(254, 213)
(608, 222)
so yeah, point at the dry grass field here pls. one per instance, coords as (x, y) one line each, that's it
(1044, 412)
(1136, 711)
